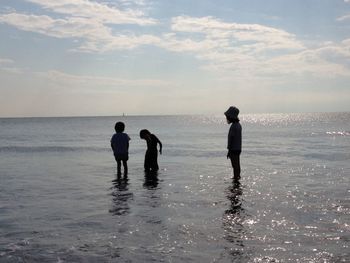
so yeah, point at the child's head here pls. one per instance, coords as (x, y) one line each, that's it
(232, 114)
(144, 134)
(119, 127)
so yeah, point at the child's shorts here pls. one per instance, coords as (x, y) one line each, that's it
(121, 157)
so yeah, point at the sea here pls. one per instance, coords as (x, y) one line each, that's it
(61, 200)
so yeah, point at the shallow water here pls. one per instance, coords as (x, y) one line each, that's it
(60, 200)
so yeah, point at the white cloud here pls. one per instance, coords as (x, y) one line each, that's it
(343, 18)
(225, 42)
(61, 28)
(5, 61)
(120, 42)
(96, 11)
(88, 83)
(86, 20)
(215, 29)
(141, 3)
(97, 37)
(237, 49)
(253, 51)
(7, 65)
(56, 93)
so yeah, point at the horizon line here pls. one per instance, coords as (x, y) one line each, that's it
(160, 115)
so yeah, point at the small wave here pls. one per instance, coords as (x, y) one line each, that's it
(41, 149)
(196, 153)
(338, 133)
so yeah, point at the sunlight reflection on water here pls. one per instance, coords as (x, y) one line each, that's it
(61, 201)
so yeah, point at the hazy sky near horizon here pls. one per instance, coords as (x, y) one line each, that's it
(80, 57)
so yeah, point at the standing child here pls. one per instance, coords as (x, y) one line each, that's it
(234, 140)
(151, 162)
(120, 146)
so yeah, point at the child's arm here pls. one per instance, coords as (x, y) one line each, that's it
(160, 145)
(231, 135)
(128, 142)
(112, 144)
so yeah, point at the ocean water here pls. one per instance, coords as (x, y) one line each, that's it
(60, 200)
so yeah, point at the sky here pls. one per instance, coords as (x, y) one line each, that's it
(157, 57)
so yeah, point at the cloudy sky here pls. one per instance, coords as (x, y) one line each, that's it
(106, 57)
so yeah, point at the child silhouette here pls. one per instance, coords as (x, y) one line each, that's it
(234, 140)
(151, 156)
(120, 146)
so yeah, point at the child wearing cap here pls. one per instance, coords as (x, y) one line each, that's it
(234, 140)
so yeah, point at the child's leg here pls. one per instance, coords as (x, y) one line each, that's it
(125, 165)
(155, 166)
(236, 166)
(119, 172)
(152, 161)
(147, 164)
